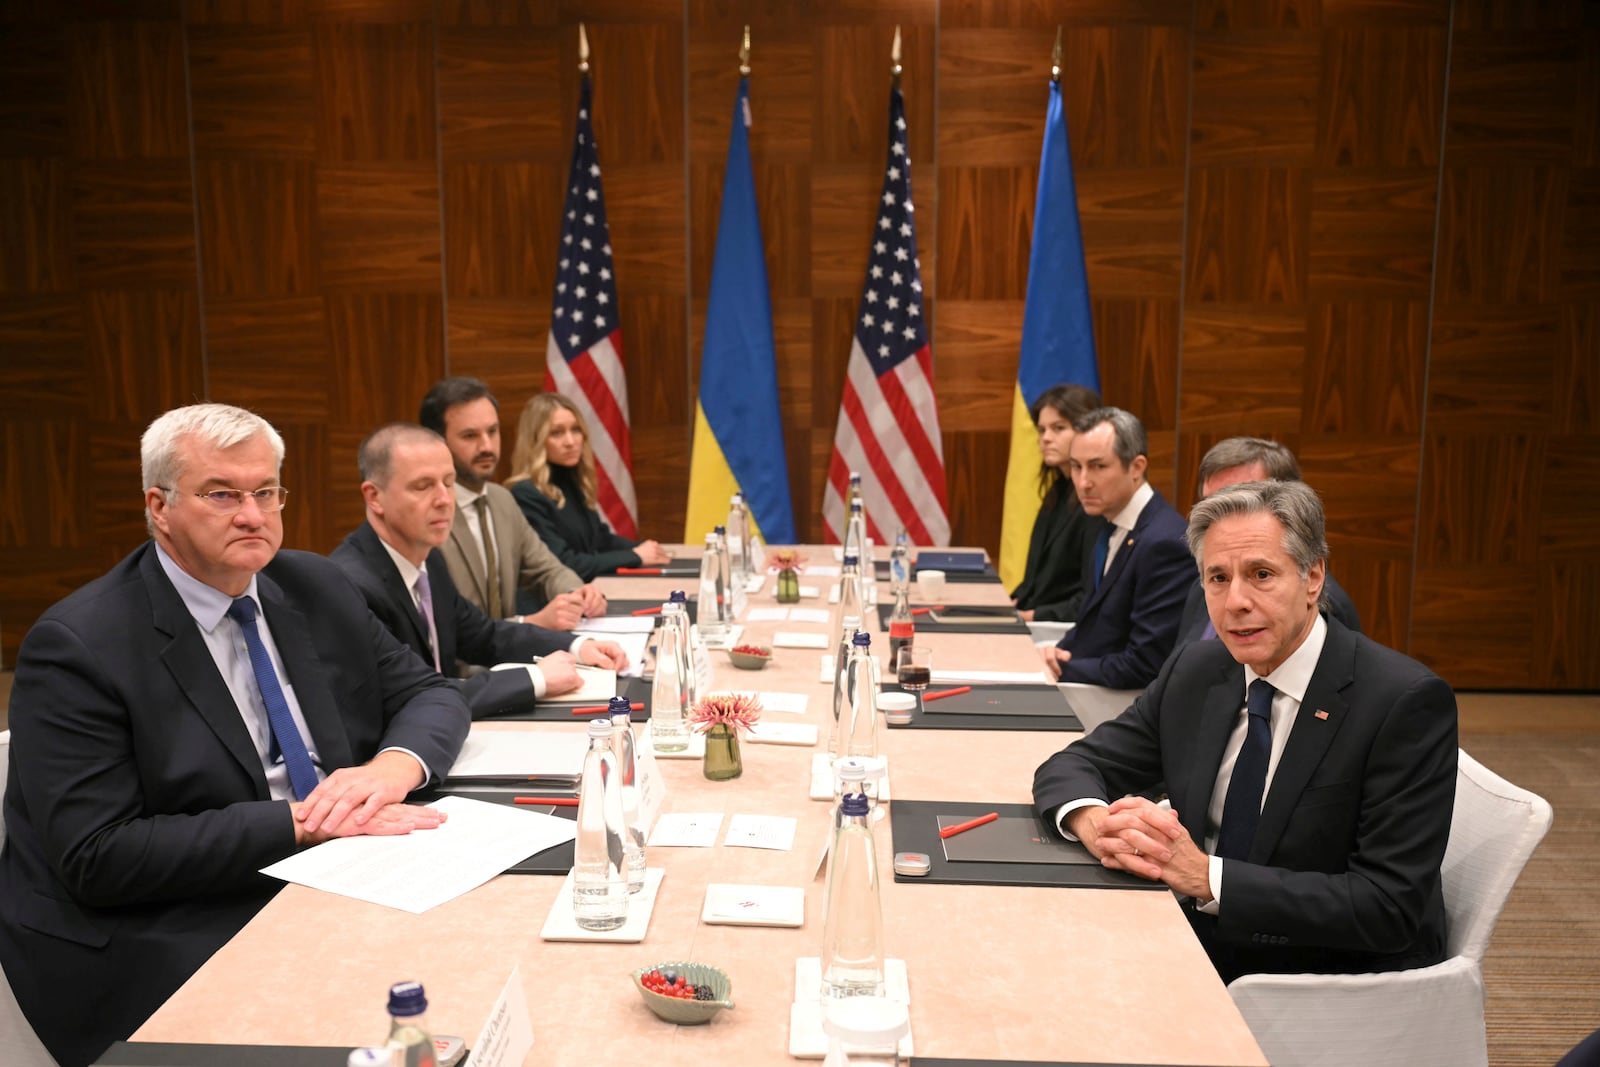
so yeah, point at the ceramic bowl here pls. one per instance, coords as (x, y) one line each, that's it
(750, 661)
(687, 1012)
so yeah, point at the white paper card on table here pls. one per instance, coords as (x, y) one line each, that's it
(596, 685)
(728, 904)
(420, 870)
(761, 831)
(783, 733)
(822, 781)
(766, 614)
(806, 1039)
(792, 703)
(687, 829)
(833, 595)
(495, 753)
(825, 669)
(652, 787)
(755, 583)
(794, 639)
(810, 592)
(976, 677)
(507, 1036)
(816, 615)
(616, 624)
(728, 639)
(822, 570)
(562, 925)
(696, 749)
(634, 644)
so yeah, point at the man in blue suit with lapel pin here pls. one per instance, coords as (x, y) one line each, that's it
(1311, 771)
(204, 710)
(1137, 568)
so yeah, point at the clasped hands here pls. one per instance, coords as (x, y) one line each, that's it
(1137, 835)
(365, 800)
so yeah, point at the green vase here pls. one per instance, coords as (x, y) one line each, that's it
(722, 753)
(788, 586)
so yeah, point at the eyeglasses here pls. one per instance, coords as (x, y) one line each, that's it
(227, 501)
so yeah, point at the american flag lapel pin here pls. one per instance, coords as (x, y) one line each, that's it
(1322, 715)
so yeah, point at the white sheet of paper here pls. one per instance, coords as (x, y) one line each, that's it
(767, 615)
(810, 592)
(504, 753)
(791, 703)
(962, 675)
(825, 669)
(596, 685)
(634, 644)
(422, 870)
(755, 583)
(507, 1036)
(761, 831)
(818, 615)
(793, 639)
(822, 570)
(687, 829)
(783, 733)
(617, 624)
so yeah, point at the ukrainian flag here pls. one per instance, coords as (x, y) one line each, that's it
(1057, 332)
(738, 431)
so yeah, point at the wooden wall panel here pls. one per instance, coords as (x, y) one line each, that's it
(317, 207)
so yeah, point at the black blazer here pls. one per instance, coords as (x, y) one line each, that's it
(1052, 584)
(1343, 875)
(575, 532)
(1127, 626)
(465, 633)
(1193, 623)
(137, 811)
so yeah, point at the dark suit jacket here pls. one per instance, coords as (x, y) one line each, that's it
(1127, 626)
(1052, 585)
(1343, 875)
(1193, 623)
(465, 633)
(137, 811)
(574, 531)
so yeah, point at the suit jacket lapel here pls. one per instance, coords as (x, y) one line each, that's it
(461, 535)
(393, 587)
(291, 633)
(1309, 739)
(190, 662)
(1219, 714)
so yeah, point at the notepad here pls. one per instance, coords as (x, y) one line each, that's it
(728, 904)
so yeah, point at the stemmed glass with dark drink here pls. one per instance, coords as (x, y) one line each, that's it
(913, 669)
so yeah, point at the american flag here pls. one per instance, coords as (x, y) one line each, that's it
(583, 360)
(888, 421)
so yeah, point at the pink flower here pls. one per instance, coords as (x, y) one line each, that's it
(741, 711)
(785, 559)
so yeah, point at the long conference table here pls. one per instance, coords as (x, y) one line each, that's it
(1048, 975)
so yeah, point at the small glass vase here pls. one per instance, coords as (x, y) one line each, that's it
(723, 761)
(788, 586)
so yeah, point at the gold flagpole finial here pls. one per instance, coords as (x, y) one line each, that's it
(1055, 59)
(583, 49)
(744, 53)
(894, 54)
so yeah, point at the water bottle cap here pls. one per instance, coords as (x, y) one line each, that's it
(599, 728)
(850, 770)
(866, 1021)
(620, 706)
(407, 998)
(720, 531)
(854, 805)
(862, 639)
(678, 597)
(855, 505)
(851, 559)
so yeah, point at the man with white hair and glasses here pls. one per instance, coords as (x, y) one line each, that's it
(205, 709)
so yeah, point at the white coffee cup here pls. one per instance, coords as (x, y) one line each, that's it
(897, 707)
(930, 585)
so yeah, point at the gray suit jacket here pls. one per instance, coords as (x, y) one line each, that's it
(523, 560)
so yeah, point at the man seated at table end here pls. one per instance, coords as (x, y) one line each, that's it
(203, 710)
(1311, 771)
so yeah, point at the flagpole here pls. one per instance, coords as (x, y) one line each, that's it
(894, 57)
(744, 53)
(1055, 59)
(583, 49)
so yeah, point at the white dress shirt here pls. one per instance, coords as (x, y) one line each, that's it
(1125, 520)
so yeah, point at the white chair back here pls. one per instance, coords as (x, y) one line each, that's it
(1493, 831)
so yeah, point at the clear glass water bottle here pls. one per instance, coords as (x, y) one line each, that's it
(846, 621)
(865, 1032)
(715, 607)
(732, 585)
(902, 624)
(861, 688)
(738, 541)
(854, 535)
(669, 729)
(409, 1039)
(852, 930)
(697, 664)
(600, 862)
(622, 746)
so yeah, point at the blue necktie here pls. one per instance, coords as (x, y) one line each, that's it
(302, 773)
(1102, 546)
(1209, 633)
(1242, 810)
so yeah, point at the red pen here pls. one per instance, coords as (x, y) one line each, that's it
(638, 570)
(963, 827)
(601, 709)
(648, 611)
(941, 694)
(560, 802)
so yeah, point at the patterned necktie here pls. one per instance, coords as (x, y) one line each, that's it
(425, 602)
(491, 567)
(302, 773)
(1209, 633)
(1102, 546)
(1242, 810)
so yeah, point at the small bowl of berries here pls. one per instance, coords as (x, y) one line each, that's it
(683, 992)
(750, 657)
